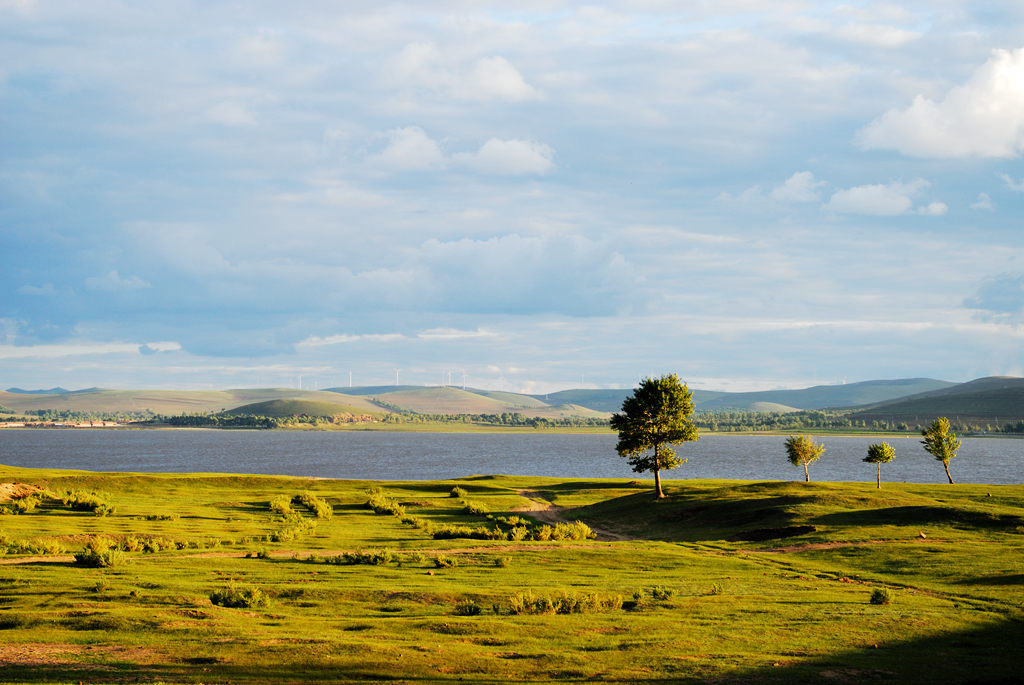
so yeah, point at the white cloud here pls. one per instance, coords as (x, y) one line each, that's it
(81, 349)
(113, 281)
(454, 334)
(798, 188)
(409, 149)
(511, 157)
(881, 200)
(983, 202)
(46, 290)
(1015, 186)
(343, 338)
(495, 77)
(933, 209)
(982, 118)
(878, 35)
(424, 65)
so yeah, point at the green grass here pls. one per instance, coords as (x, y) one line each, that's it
(299, 407)
(362, 596)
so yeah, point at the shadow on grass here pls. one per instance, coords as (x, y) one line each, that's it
(990, 655)
(920, 516)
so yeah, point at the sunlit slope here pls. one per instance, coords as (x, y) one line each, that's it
(305, 407)
(998, 400)
(169, 402)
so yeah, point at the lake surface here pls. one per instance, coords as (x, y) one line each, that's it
(429, 456)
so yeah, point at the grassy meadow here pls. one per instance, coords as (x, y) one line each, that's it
(216, 578)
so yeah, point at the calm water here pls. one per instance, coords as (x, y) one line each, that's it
(428, 456)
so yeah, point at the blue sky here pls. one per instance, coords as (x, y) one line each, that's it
(536, 195)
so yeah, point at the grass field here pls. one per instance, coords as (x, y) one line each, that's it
(699, 586)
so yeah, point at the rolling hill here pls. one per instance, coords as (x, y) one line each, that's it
(996, 400)
(299, 407)
(823, 396)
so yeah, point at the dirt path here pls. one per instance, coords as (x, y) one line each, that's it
(543, 510)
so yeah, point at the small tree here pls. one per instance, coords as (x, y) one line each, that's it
(801, 451)
(880, 454)
(654, 417)
(940, 443)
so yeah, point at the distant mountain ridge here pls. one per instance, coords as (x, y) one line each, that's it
(911, 400)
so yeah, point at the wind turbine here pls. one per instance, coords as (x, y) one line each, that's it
(396, 376)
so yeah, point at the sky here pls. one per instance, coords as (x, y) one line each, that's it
(526, 196)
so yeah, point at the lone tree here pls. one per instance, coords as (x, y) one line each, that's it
(940, 443)
(654, 417)
(880, 454)
(801, 451)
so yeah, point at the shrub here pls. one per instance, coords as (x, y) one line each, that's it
(384, 505)
(162, 517)
(442, 561)
(450, 532)
(716, 589)
(564, 603)
(502, 562)
(882, 595)
(661, 594)
(518, 533)
(368, 558)
(100, 552)
(577, 530)
(245, 597)
(281, 505)
(314, 505)
(457, 492)
(78, 500)
(475, 509)
(467, 607)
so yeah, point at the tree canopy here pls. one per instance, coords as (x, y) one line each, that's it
(940, 443)
(801, 451)
(879, 454)
(655, 417)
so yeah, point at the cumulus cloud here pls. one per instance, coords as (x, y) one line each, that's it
(409, 149)
(344, 338)
(45, 290)
(113, 281)
(1015, 186)
(510, 157)
(984, 202)
(495, 77)
(883, 200)
(798, 188)
(981, 118)
(424, 65)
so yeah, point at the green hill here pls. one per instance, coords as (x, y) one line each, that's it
(170, 402)
(301, 407)
(995, 400)
(825, 396)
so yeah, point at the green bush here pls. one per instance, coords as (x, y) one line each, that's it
(79, 500)
(468, 607)
(281, 505)
(100, 552)
(245, 597)
(320, 508)
(381, 504)
(882, 595)
(502, 562)
(661, 594)
(367, 558)
(457, 492)
(475, 509)
(451, 532)
(442, 561)
(564, 603)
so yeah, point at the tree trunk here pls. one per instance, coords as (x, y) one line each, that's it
(658, 494)
(946, 465)
(807, 476)
(879, 476)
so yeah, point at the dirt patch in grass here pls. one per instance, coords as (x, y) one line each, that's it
(82, 656)
(12, 491)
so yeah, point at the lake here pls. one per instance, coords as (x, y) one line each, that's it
(379, 455)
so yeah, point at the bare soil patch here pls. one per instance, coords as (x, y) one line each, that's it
(13, 491)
